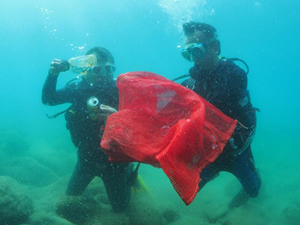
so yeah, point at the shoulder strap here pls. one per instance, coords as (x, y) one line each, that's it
(223, 59)
(57, 114)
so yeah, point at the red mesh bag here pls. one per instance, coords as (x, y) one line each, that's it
(166, 125)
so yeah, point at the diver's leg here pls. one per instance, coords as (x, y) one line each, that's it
(81, 177)
(209, 173)
(244, 169)
(116, 179)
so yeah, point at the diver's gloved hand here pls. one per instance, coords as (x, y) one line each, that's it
(58, 65)
(102, 112)
(232, 144)
(105, 112)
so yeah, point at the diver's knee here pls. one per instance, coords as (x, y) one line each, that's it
(120, 204)
(119, 208)
(254, 194)
(255, 190)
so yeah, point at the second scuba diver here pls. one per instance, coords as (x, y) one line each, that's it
(223, 84)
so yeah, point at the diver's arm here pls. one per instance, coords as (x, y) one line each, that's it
(189, 83)
(245, 129)
(49, 89)
(51, 96)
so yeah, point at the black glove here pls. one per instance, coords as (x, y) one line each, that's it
(58, 65)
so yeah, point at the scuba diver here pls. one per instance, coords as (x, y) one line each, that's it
(93, 99)
(222, 83)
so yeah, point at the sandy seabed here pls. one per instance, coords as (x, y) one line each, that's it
(34, 176)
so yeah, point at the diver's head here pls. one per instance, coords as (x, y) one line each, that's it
(201, 44)
(103, 71)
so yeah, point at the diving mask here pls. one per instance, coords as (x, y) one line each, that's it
(194, 50)
(102, 70)
(99, 73)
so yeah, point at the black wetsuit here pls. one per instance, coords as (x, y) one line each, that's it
(226, 88)
(86, 135)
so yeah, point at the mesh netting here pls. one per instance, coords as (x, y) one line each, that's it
(166, 125)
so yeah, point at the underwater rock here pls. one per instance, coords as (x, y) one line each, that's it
(42, 218)
(253, 214)
(45, 198)
(97, 191)
(27, 171)
(77, 209)
(143, 210)
(214, 212)
(102, 197)
(59, 161)
(171, 215)
(15, 207)
(91, 208)
(107, 217)
(187, 220)
(291, 215)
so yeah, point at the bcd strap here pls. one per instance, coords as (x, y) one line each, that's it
(183, 76)
(57, 114)
(68, 85)
(234, 60)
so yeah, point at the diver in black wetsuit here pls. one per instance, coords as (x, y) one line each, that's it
(222, 83)
(86, 132)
